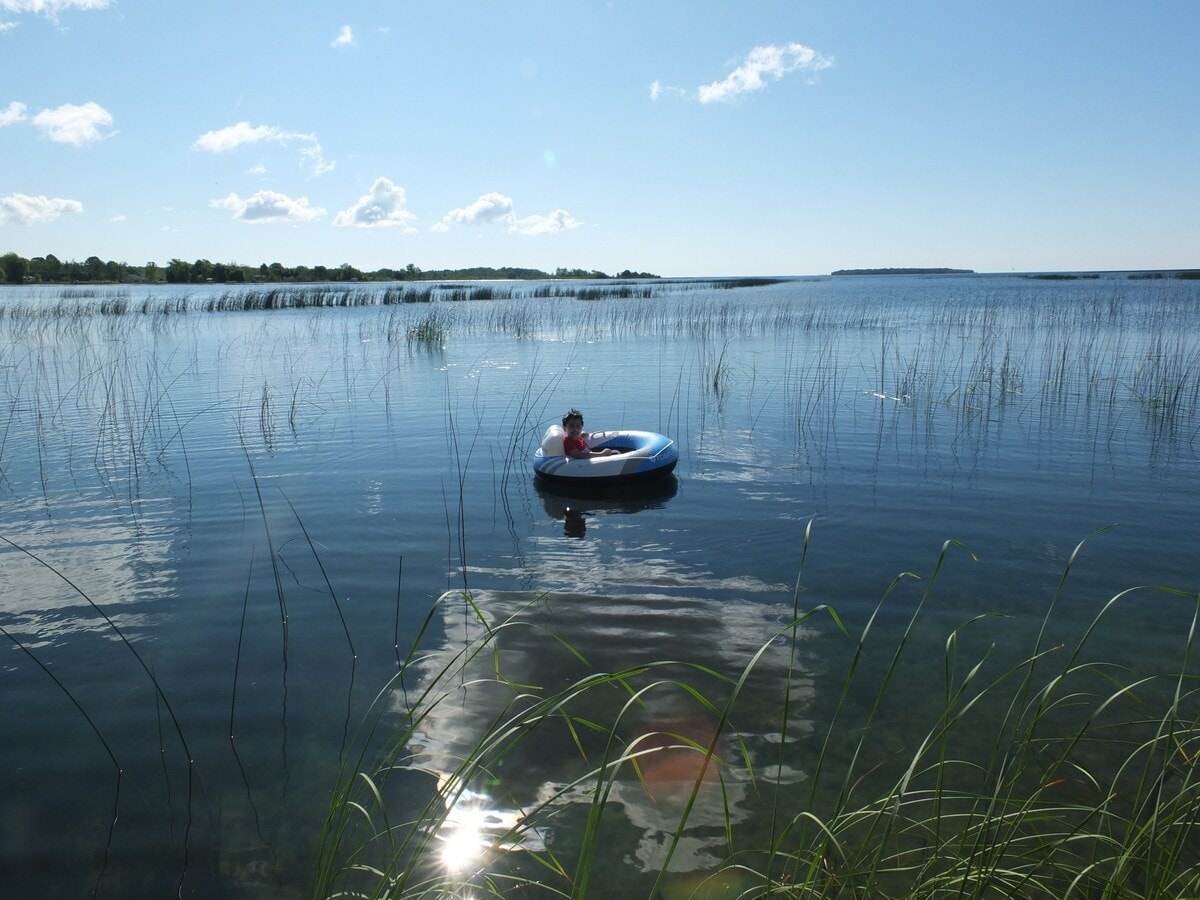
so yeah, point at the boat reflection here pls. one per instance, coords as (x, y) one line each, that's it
(574, 504)
(678, 775)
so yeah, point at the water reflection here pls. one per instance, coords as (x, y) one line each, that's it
(474, 828)
(124, 467)
(684, 762)
(127, 555)
(574, 504)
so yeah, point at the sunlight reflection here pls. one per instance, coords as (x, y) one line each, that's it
(475, 829)
(688, 763)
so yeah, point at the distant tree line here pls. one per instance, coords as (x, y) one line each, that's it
(50, 269)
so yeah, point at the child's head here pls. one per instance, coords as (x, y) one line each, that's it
(573, 415)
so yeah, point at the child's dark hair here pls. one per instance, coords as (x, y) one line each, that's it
(572, 413)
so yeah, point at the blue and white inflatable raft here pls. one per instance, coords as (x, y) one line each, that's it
(644, 456)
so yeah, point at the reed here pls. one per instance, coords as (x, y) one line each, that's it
(1111, 364)
(1044, 775)
(429, 333)
(76, 302)
(716, 373)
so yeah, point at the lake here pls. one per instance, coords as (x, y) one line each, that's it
(229, 522)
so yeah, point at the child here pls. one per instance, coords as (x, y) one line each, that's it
(574, 444)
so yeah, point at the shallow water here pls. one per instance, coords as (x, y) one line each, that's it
(224, 530)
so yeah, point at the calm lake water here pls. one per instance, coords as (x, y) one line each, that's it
(223, 532)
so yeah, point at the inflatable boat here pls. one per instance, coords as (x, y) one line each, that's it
(642, 456)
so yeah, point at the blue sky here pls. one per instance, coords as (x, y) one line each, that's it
(681, 138)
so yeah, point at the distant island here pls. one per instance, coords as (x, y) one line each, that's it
(1181, 274)
(903, 272)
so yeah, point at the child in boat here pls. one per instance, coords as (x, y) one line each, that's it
(574, 444)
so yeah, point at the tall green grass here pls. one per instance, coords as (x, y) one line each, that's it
(1047, 775)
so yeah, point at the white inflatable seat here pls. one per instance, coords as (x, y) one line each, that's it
(552, 441)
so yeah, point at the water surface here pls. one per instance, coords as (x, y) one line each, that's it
(224, 531)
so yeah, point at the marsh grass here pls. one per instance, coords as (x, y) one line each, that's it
(1165, 381)
(429, 332)
(1034, 352)
(1050, 774)
(77, 302)
(716, 371)
(1109, 367)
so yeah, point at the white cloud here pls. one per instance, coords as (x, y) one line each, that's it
(657, 89)
(491, 207)
(269, 206)
(21, 209)
(384, 206)
(51, 8)
(231, 137)
(316, 159)
(345, 38)
(13, 114)
(763, 64)
(71, 124)
(495, 207)
(7, 26)
(559, 220)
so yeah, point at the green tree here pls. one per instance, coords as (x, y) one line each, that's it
(51, 268)
(13, 268)
(202, 271)
(179, 272)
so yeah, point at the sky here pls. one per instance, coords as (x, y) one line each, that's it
(699, 138)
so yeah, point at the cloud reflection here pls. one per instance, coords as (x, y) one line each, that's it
(116, 559)
(528, 645)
